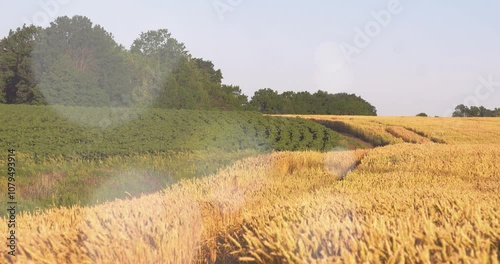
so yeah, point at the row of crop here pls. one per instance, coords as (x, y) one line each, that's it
(99, 132)
(372, 132)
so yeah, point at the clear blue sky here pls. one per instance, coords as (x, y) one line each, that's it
(428, 58)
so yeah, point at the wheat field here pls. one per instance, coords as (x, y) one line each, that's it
(429, 194)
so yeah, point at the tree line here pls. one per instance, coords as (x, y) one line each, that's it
(75, 62)
(321, 102)
(474, 111)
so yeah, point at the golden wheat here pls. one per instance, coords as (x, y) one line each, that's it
(402, 204)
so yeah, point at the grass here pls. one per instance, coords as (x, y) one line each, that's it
(59, 182)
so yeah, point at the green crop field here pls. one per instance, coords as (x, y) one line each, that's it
(86, 155)
(93, 133)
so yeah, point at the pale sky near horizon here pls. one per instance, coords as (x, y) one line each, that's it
(418, 56)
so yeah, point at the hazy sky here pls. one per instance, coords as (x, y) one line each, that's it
(404, 57)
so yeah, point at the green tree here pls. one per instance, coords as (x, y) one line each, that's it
(161, 52)
(228, 97)
(184, 88)
(207, 67)
(64, 84)
(74, 62)
(98, 64)
(302, 103)
(16, 75)
(474, 111)
(461, 111)
(267, 101)
(321, 102)
(145, 87)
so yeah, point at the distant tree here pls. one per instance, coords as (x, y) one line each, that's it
(207, 67)
(303, 103)
(351, 104)
(159, 45)
(484, 112)
(75, 62)
(184, 88)
(227, 97)
(64, 84)
(422, 114)
(461, 111)
(267, 101)
(166, 71)
(146, 87)
(474, 111)
(84, 60)
(321, 102)
(288, 101)
(17, 80)
(160, 52)
(224, 97)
